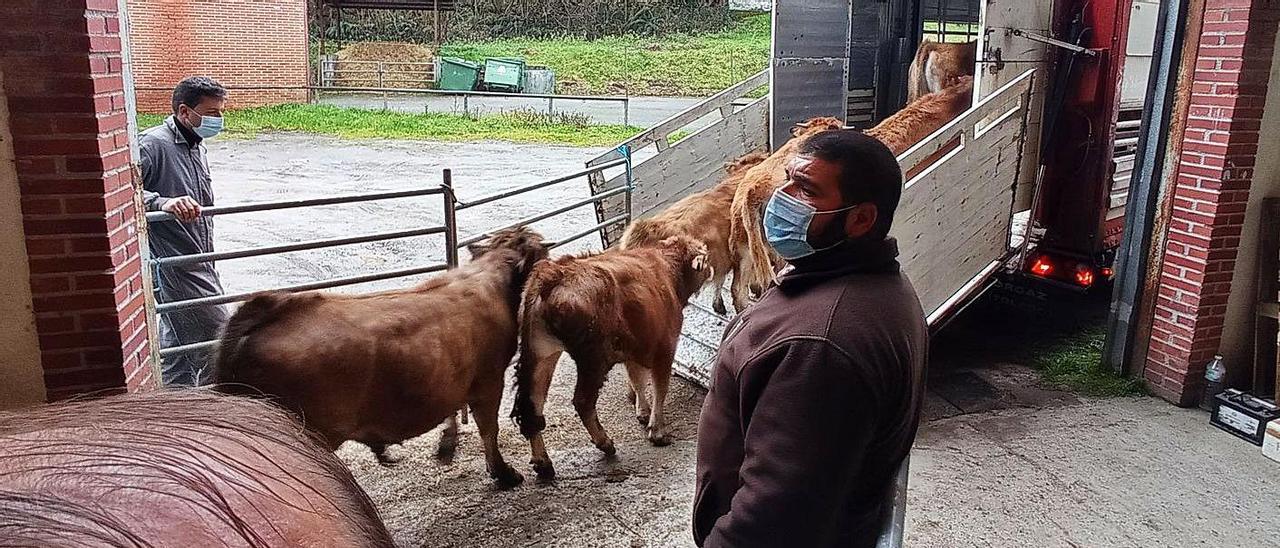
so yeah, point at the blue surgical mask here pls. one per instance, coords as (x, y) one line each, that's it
(786, 225)
(209, 126)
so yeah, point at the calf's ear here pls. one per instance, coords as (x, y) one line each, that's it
(477, 249)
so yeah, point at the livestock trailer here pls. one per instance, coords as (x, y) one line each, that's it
(1031, 182)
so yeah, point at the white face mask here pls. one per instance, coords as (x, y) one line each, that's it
(210, 126)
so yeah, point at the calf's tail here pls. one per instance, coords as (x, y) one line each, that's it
(523, 411)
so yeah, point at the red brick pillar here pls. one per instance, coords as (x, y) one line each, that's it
(1210, 192)
(62, 62)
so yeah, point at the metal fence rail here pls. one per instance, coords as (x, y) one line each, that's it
(551, 98)
(379, 72)
(450, 229)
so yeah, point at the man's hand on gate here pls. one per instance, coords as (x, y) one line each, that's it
(183, 207)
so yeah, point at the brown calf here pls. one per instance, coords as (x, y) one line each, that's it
(898, 132)
(616, 306)
(385, 367)
(938, 65)
(924, 116)
(703, 216)
(175, 468)
(745, 234)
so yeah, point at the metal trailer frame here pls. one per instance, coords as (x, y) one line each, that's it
(450, 229)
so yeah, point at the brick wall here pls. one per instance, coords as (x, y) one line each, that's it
(241, 43)
(1210, 193)
(62, 63)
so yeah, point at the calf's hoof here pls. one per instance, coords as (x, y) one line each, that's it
(544, 469)
(719, 307)
(607, 448)
(659, 440)
(447, 449)
(506, 477)
(383, 453)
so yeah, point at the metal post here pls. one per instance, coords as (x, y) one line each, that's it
(381, 84)
(451, 245)
(1134, 257)
(626, 111)
(551, 106)
(631, 187)
(466, 105)
(450, 221)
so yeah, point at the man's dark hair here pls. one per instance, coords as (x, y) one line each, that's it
(869, 173)
(194, 89)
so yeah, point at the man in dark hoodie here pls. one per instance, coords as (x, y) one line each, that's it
(817, 389)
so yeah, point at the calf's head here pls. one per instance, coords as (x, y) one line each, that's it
(817, 125)
(690, 258)
(522, 246)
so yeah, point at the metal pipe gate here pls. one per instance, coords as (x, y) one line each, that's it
(450, 229)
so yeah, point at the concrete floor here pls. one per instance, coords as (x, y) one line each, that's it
(1115, 472)
(1000, 461)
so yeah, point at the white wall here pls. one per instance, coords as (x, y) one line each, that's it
(21, 375)
(1237, 333)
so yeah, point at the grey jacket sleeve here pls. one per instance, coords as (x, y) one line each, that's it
(151, 200)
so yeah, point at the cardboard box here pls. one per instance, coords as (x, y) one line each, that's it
(1271, 441)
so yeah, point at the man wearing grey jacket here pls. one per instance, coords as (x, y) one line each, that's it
(175, 179)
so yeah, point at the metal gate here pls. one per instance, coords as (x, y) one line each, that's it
(450, 229)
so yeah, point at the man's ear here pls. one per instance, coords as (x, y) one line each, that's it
(861, 220)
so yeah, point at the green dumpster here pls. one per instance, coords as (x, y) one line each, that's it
(504, 74)
(458, 74)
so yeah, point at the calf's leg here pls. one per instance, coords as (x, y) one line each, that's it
(486, 414)
(661, 373)
(638, 390)
(591, 376)
(449, 439)
(545, 367)
(380, 450)
(717, 288)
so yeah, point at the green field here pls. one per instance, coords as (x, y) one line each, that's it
(519, 127)
(677, 65)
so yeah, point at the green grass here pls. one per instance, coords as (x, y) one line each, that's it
(518, 127)
(1074, 361)
(677, 65)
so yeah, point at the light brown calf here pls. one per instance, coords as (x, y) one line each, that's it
(745, 233)
(616, 306)
(924, 116)
(938, 65)
(385, 367)
(703, 216)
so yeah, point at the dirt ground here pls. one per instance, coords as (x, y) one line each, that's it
(1001, 460)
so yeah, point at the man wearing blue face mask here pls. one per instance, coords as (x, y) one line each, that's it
(817, 388)
(175, 179)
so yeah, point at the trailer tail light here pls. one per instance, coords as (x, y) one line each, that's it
(1042, 267)
(1084, 276)
(1108, 273)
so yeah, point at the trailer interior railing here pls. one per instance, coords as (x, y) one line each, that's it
(450, 229)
